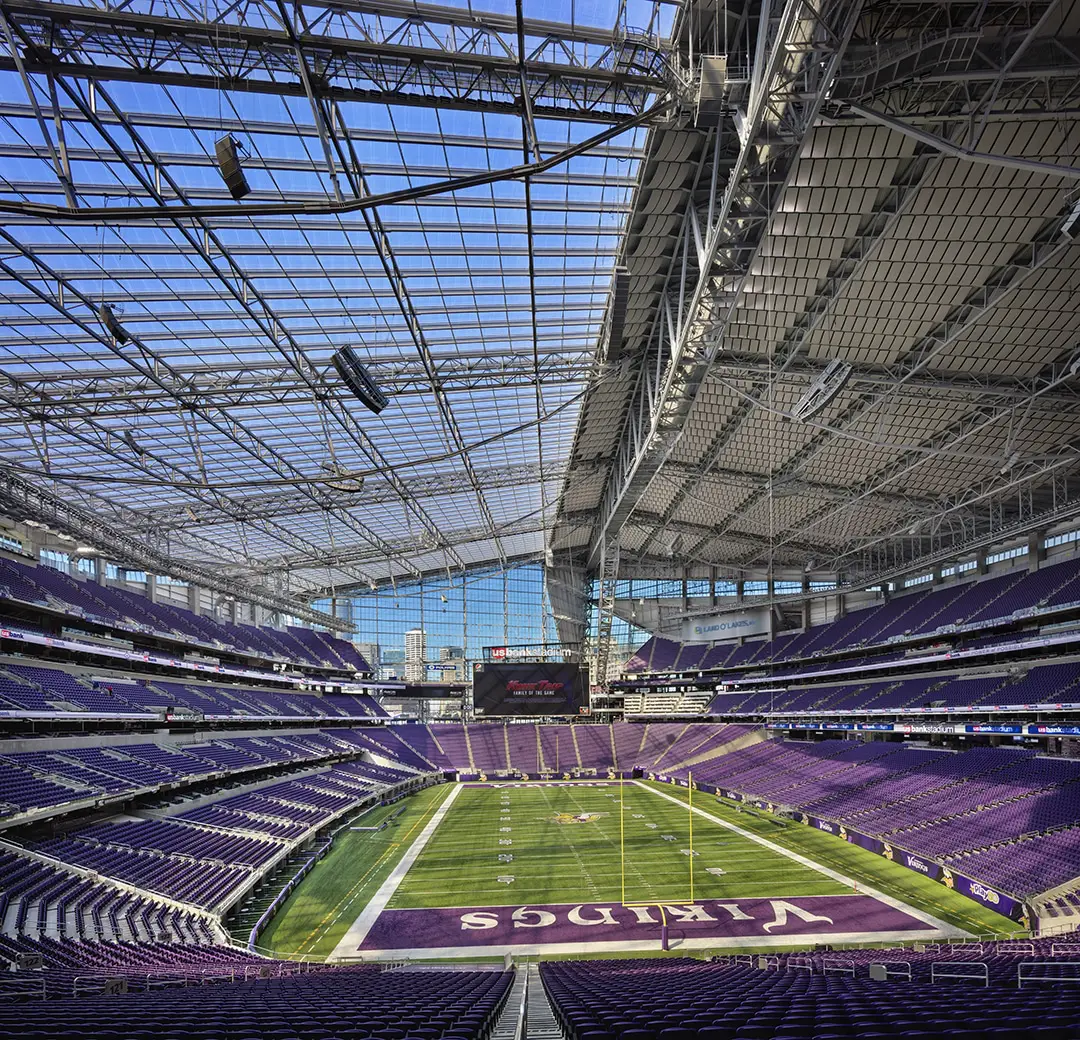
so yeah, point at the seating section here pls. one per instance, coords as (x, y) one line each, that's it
(234, 1000)
(483, 747)
(1037, 684)
(120, 608)
(919, 614)
(291, 808)
(38, 689)
(37, 898)
(683, 999)
(488, 746)
(1028, 866)
(396, 743)
(35, 780)
(984, 812)
(230, 840)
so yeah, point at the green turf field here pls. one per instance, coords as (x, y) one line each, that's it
(557, 860)
(857, 863)
(555, 856)
(326, 902)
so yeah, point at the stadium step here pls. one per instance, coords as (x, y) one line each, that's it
(508, 1024)
(540, 1020)
(577, 750)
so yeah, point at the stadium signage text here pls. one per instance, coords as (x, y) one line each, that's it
(980, 891)
(726, 626)
(677, 913)
(536, 651)
(557, 925)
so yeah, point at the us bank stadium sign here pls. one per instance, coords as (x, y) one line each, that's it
(531, 652)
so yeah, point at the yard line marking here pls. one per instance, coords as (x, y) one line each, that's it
(331, 916)
(896, 904)
(360, 927)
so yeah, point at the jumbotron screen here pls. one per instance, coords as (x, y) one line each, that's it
(530, 689)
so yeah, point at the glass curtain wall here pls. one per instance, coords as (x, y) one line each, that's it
(456, 612)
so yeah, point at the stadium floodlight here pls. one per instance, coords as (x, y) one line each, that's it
(822, 391)
(339, 479)
(134, 445)
(357, 378)
(227, 149)
(620, 295)
(112, 323)
(1068, 226)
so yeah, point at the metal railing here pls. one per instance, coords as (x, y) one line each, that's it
(979, 971)
(23, 987)
(838, 966)
(903, 970)
(1044, 971)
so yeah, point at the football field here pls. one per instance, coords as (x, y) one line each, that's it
(595, 867)
(545, 843)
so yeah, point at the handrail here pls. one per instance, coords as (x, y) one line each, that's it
(838, 966)
(105, 984)
(884, 965)
(519, 1030)
(34, 988)
(974, 976)
(1013, 946)
(801, 964)
(1022, 976)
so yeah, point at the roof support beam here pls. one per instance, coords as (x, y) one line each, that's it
(1047, 249)
(947, 439)
(807, 48)
(358, 555)
(286, 503)
(30, 502)
(228, 123)
(471, 66)
(1011, 162)
(85, 395)
(803, 369)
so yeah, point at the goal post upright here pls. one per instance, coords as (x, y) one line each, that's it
(662, 908)
(690, 816)
(622, 840)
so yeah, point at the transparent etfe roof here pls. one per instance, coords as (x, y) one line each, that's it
(166, 348)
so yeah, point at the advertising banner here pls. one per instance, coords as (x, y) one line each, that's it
(504, 688)
(717, 627)
(969, 887)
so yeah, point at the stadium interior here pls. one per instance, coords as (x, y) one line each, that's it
(540, 521)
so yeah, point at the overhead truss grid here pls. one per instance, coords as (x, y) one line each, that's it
(743, 286)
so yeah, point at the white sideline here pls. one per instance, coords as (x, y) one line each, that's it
(948, 930)
(357, 932)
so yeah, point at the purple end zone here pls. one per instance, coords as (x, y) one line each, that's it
(566, 924)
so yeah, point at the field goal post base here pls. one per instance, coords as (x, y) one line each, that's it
(662, 907)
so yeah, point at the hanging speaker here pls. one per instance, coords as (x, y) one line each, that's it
(112, 323)
(357, 378)
(228, 160)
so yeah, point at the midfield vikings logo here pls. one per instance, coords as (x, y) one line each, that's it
(585, 817)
